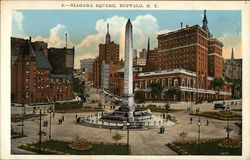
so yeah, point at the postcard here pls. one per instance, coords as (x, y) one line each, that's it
(125, 80)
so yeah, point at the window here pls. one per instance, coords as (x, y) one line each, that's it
(27, 72)
(189, 83)
(27, 80)
(26, 87)
(183, 83)
(27, 63)
(169, 82)
(175, 82)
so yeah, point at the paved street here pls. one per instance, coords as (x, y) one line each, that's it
(147, 142)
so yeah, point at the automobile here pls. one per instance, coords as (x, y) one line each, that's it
(219, 106)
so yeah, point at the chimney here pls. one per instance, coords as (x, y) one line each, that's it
(30, 38)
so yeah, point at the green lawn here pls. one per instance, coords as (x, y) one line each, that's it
(98, 149)
(208, 148)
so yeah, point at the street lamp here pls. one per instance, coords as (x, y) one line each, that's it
(50, 111)
(128, 137)
(22, 118)
(199, 133)
(228, 130)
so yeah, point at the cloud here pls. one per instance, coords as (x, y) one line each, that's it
(56, 37)
(231, 41)
(17, 20)
(144, 26)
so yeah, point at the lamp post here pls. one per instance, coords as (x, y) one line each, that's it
(22, 118)
(50, 111)
(128, 137)
(228, 130)
(199, 133)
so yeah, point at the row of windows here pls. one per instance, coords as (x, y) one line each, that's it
(168, 82)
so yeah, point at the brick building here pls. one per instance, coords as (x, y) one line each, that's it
(151, 59)
(184, 81)
(191, 49)
(31, 78)
(61, 60)
(87, 65)
(108, 55)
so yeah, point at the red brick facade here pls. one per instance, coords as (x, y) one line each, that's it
(31, 78)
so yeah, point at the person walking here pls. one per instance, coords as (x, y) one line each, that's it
(207, 122)
(62, 117)
(191, 120)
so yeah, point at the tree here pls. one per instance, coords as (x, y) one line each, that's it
(156, 89)
(235, 85)
(117, 137)
(78, 87)
(170, 93)
(217, 84)
(139, 95)
(183, 135)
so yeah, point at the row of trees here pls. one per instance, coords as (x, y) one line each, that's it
(217, 84)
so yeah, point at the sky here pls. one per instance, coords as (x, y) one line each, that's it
(86, 29)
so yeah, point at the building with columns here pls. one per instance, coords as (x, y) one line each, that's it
(188, 59)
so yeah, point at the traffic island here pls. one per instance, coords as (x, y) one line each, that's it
(207, 147)
(221, 115)
(61, 147)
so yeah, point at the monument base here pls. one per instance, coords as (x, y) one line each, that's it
(122, 114)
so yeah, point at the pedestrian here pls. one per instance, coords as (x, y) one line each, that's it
(76, 116)
(62, 117)
(110, 129)
(53, 114)
(191, 119)
(198, 110)
(207, 122)
(163, 130)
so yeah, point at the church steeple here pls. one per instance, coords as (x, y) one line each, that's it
(232, 54)
(108, 35)
(205, 22)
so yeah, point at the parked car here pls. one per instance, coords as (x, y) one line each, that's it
(219, 106)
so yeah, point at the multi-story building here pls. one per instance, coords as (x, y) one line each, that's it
(87, 63)
(31, 78)
(109, 51)
(61, 60)
(184, 81)
(96, 73)
(108, 54)
(151, 59)
(105, 76)
(188, 51)
(232, 68)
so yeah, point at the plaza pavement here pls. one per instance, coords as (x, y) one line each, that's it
(146, 142)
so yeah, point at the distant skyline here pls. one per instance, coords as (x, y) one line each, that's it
(87, 28)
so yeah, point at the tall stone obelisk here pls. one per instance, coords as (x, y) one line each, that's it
(128, 72)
